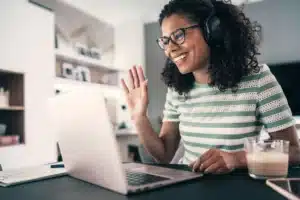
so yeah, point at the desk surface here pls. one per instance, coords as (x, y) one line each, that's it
(237, 185)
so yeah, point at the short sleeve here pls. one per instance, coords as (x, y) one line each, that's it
(170, 110)
(273, 109)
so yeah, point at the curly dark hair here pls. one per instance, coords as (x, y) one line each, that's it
(230, 60)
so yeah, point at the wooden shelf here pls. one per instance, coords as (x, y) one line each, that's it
(13, 116)
(75, 83)
(12, 145)
(12, 108)
(126, 133)
(83, 60)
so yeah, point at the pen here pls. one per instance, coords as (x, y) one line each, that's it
(57, 166)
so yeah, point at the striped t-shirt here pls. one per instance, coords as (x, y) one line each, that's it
(209, 118)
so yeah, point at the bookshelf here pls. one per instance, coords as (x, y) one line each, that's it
(74, 30)
(83, 60)
(12, 108)
(64, 84)
(12, 114)
(94, 71)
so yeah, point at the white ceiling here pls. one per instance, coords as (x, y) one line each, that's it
(120, 11)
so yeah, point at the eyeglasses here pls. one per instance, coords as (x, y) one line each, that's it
(177, 37)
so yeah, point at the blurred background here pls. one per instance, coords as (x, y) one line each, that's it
(51, 47)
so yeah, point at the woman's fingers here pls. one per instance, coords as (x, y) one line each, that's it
(222, 170)
(214, 167)
(131, 79)
(145, 89)
(136, 80)
(210, 161)
(125, 88)
(197, 165)
(141, 75)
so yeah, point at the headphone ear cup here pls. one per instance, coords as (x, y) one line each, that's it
(213, 32)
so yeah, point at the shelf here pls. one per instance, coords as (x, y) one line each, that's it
(83, 60)
(65, 84)
(13, 108)
(12, 145)
(126, 133)
(13, 115)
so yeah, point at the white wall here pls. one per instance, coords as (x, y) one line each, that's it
(129, 51)
(27, 44)
(281, 29)
(155, 62)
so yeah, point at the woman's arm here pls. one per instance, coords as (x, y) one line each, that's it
(162, 147)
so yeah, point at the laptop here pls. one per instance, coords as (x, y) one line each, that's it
(90, 150)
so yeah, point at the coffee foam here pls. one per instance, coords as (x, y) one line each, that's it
(268, 163)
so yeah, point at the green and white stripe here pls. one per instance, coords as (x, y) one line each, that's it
(213, 119)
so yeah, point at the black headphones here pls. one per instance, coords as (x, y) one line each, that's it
(213, 33)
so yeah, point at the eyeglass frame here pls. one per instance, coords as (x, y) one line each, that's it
(184, 29)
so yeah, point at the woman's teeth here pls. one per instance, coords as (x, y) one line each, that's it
(179, 57)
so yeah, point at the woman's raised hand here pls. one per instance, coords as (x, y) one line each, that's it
(136, 92)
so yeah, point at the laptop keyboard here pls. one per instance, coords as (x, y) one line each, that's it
(137, 178)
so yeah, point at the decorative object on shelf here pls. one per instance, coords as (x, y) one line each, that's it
(82, 74)
(12, 108)
(88, 42)
(63, 40)
(57, 92)
(2, 129)
(67, 71)
(81, 49)
(104, 79)
(92, 52)
(122, 124)
(95, 53)
(108, 78)
(4, 98)
(89, 48)
(56, 42)
(9, 140)
(79, 73)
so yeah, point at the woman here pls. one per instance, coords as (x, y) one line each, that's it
(218, 95)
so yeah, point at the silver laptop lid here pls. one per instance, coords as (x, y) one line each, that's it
(86, 138)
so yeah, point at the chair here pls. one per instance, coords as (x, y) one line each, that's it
(145, 156)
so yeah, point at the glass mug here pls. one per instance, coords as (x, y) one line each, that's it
(267, 159)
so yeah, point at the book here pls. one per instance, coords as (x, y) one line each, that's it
(29, 174)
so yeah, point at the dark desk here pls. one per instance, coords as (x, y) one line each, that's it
(237, 185)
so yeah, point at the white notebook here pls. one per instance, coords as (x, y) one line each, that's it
(29, 174)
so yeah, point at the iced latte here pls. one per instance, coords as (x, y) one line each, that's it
(267, 160)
